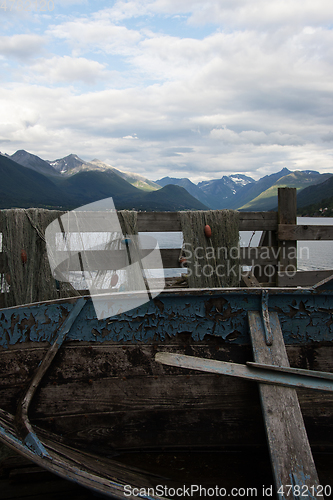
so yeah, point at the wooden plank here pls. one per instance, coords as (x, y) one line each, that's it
(170, 221)
(22, 419)
(292, 232)
(76, 396)
(250, 256)
(103, 260)
(2, 262)
(250, 280)
(258, 372)
(264, 216)
(303, 278)
(158, 221)
(268, 239)
(258, 221)
(325, 284)
(291, 455)
(101, 475)
(287, 214)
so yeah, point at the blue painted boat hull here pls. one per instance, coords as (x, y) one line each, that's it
(104, 393)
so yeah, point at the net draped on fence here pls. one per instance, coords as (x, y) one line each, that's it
(211, 261)
(27, 275)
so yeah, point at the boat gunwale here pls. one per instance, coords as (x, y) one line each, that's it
(174, 292)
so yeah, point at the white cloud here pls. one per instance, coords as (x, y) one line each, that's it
(263, 15)
(67, 3)
(126, 10)
(230, 14)
(253, 96)
(21, 47)
(255, 137)
(86, 34)
(105, 121)
(69, 69)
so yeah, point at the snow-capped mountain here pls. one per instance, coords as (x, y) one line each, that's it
(221, 190)
(69, 164)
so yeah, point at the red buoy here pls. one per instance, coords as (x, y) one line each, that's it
(24, 257)
(208, 231)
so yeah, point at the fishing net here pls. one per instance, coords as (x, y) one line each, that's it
(211, 261)
(51, 254)
(27, 276)
(103, 247)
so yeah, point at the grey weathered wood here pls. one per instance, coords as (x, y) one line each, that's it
(2, 261)
(106, 260)
(303, 278)
(268, 239)
(102, 260)
(22, 419)
(170, 221)
(90, 389)
(287, 214)
(263, 216)
(258, 372)
(91, 471)
(325, 284)
(291, 455)
(250, 280)
(158, 221)
(258, 255)
(293, 232)
(165, 222)
(257, 221)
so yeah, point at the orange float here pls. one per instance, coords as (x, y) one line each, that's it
(208, 231)
(24, 257)
(114, 280)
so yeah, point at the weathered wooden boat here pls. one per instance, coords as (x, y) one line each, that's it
(146, 402)
(101, 391)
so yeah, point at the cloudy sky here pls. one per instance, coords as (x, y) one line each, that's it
(183, 88)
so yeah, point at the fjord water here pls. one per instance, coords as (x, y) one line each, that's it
(312, 255)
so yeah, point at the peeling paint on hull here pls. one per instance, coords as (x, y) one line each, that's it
(105, 393)
(305, 317)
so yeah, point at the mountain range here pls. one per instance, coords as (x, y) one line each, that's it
(240, 192)
(24, 187)
(27, 180)
(72, 164)
(214, 193)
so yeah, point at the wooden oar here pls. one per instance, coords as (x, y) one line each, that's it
(21, 419)
(268, 374)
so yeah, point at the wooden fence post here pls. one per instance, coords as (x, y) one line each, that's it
(287, 214)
